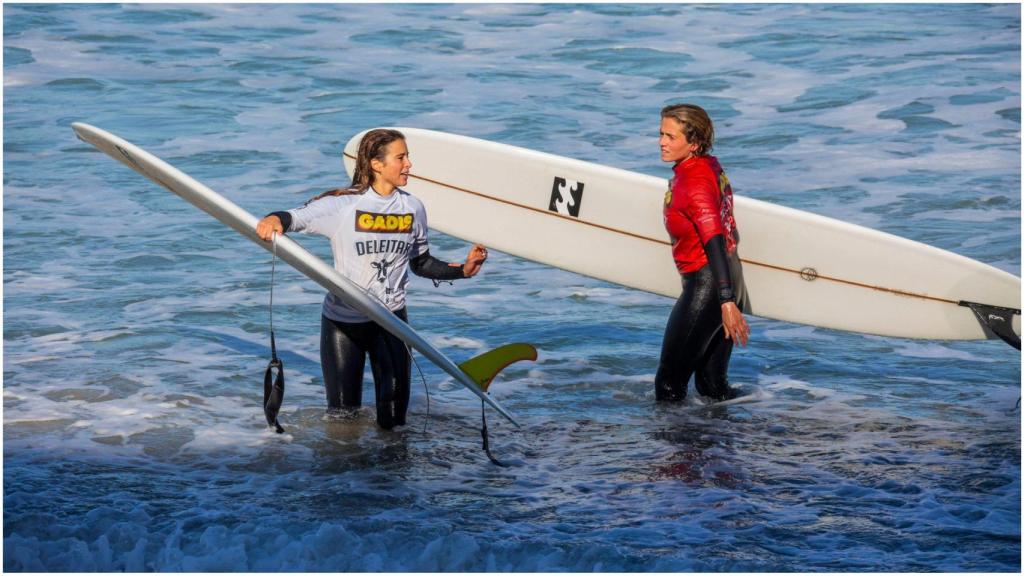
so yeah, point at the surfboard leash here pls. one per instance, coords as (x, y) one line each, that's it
(483, 414)
(273, 385)
(426, 389)
(483, 433)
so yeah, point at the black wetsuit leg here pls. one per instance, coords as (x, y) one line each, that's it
(390, 364)
(690, 326)
(712, 378)
(343, 347)
(343, 350)
(401, 362)
(695, 340)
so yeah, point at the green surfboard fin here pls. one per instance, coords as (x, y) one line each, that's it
(483, 368)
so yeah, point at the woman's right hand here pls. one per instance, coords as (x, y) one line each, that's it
(736, 327)
(474, 260)
(268, 226)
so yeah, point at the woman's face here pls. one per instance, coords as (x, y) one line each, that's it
(674, 145)
(394, 170)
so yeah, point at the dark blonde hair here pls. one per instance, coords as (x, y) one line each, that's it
(696, 124)
(373, 146)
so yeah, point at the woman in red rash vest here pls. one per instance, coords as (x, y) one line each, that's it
(706, 319)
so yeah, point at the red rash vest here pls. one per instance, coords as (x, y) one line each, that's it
(698, 206)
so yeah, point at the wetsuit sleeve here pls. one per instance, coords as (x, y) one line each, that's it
(420, 261)
(285, 218)
(704, 208)
(427, 266)
(719, 262)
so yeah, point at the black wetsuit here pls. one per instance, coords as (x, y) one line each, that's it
(699, 220)
(344, 345)
(695, 342)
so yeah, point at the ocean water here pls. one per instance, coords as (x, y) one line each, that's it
(135, 327)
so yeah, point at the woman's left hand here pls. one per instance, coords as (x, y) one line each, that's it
(475, 260)
(736, 328)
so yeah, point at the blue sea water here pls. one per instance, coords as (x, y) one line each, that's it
(135, 327)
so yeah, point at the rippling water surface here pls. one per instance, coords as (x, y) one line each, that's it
(135, 327)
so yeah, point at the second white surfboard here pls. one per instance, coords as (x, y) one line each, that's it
(607, 223)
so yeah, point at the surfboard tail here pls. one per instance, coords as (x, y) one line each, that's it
(483, 368)
(996, 319)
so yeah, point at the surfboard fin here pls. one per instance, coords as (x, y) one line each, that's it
(997, 319)
(483, 368)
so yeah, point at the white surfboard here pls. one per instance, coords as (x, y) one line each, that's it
(607, 223)
(287, 249)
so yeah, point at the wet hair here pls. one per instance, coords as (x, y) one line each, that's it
(373, 146)
(696, 124)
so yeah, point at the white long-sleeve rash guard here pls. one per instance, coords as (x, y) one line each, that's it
(373, 237)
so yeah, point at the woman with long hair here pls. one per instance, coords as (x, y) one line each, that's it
(378, 232)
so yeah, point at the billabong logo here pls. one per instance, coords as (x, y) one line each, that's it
(566, 197)
(383, 223)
